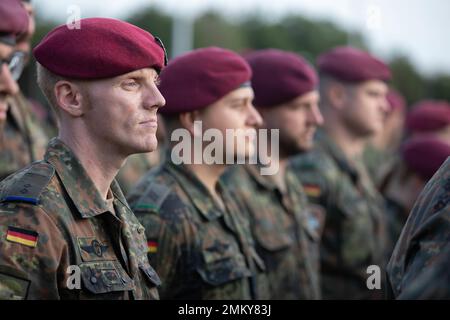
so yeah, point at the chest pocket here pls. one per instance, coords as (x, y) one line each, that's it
(104, 277)
(357, 227)
(269, 232)
(222, 263)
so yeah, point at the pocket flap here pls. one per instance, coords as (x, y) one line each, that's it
(105, 276)
(151, 274)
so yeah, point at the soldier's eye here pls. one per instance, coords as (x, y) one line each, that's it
(130, 83)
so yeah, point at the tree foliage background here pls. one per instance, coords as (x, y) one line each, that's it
(296, 33)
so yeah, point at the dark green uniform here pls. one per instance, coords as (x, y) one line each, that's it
(286, 233)
(200, 250)
(354, 235)
(419, 267)
(22, 140)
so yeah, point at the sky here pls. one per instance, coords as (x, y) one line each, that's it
(416, 28)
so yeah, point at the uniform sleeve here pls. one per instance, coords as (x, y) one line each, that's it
(33, 253)
(170, 240)
(425, 237)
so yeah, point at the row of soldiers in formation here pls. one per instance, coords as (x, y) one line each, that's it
(312, 230)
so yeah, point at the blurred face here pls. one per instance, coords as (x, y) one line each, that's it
(297, 121)
(25, 43)
(121, 111)
(7, 85)
(365, 107)
(234, 111)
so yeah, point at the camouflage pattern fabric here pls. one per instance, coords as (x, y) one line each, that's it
(285, 230)
(22, 140)
(419, 266)
(354, 235)
(199, 249)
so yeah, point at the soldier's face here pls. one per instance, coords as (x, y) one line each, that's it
(121, 111)
(234, 111)
(25, 44)
(297, 121)
(365, 108)
(7, 85)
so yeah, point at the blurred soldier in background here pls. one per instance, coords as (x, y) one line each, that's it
(286, 233)
(429, 117)
(22, 140)
(381, 153)
(65, 216)
(420, 158)
(199, 241)
(419, 266)
(353, 93)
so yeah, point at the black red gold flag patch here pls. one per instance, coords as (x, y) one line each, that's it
(26, 237)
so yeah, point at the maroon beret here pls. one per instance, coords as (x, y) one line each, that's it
(425, 154)
(200, 77)
(13, 19)
(352, 65)
(279, 76)
(428, 115)
(396, 100)
(101, 48)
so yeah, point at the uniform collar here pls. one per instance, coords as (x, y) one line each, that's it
(77, 183)
(263, 181)
(196, 191)
(330, 147)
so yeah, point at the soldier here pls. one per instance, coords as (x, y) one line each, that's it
(286, 235)
(381, 154)
(430, 117)
(66, 231)
(409, 177)
(419, 266)
(353, 102)
(22, 140)
(198, 240)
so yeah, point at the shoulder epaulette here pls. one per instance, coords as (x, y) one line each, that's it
(27, 185)
(153, 197)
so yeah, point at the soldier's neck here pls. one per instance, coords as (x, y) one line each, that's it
(351, 145)
(100, 165)
(208, 174)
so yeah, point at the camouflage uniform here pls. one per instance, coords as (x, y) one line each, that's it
(354, 234)
(396, 206)
(52, 217)
(286, 233)
(421, 256)
(200, 250)
(22, 140)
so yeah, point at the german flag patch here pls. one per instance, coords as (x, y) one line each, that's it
(312, 190)
(26, 237)
(152, 246)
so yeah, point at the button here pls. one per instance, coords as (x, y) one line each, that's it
(140, 230)
(93, 280)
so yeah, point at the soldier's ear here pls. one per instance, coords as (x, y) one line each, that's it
(187, 120)
(337, 95)
(69, 97)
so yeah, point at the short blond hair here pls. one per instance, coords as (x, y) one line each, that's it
(46, 81)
